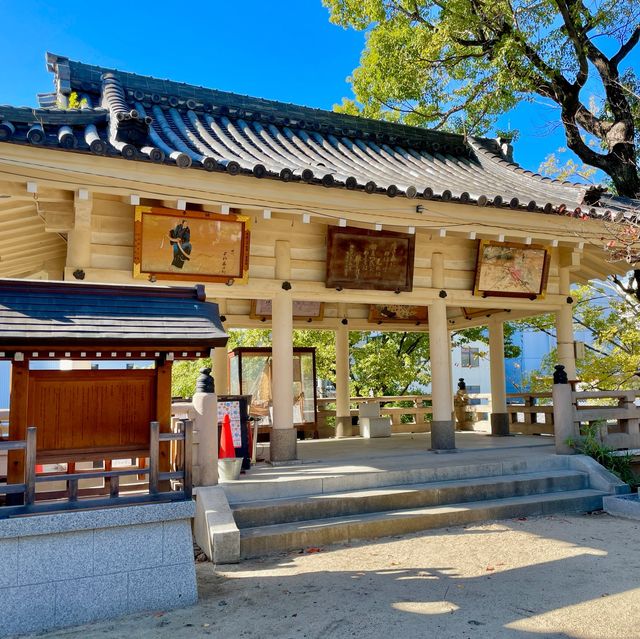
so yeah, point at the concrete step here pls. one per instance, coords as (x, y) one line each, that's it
(276, 511)
(315, 480)
(264, 540)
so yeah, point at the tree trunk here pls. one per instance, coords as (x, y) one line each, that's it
(624, 173)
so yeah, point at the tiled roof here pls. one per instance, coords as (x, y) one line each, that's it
(148, 119)
(45, 313)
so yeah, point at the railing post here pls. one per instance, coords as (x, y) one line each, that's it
(563, 412)
(30, 467)
(114, 487)
(187, 426)
(154, 454)
(528, 402)
(73, 489)
(534, 416)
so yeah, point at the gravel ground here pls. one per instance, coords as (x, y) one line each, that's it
(557, 576)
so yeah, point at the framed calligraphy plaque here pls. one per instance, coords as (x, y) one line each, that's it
(190, 245)
(374, 260)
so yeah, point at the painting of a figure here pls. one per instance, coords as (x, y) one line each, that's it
(180, 239)
(190, 245)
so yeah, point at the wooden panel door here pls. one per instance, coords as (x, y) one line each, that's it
(80, 412)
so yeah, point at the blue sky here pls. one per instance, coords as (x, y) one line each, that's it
(284, 50)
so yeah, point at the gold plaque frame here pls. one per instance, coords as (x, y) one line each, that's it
(190, 245)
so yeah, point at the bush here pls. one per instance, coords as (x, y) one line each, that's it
(589, 444)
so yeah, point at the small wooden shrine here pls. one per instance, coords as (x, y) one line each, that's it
(89, 414)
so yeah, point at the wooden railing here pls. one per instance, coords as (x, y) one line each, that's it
(171, 485)
(27, 489)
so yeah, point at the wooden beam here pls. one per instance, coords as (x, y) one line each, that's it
(18, 190)
(59, 217)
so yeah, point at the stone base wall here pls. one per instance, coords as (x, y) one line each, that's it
(73, 568)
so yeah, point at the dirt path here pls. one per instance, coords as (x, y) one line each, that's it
(560, 576)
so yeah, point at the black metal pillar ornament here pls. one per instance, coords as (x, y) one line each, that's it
(205, 383)
(560, 375)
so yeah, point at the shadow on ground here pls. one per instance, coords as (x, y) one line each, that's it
(554, 577)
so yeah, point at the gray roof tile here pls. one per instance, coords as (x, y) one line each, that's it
(84, 315)
(149, 119)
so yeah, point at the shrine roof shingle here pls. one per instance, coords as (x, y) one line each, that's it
(161, 121)
(46, 313)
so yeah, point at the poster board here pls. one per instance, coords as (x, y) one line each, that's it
(237, 407)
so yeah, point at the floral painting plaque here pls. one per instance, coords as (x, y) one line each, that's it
(190, 245)
(364, 259)
(506, 269)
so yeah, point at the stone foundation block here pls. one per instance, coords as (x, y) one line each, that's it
(73, 568)
(283, 444)
(500, 424)
(443, 435)
(375, 427)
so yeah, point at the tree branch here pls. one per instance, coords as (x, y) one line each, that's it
(626, 48)
(577, 40)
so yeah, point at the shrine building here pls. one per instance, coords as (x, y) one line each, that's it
(294, 217)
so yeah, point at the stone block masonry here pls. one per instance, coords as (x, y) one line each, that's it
(72, 568)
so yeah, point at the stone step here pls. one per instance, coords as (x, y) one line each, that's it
(325, 481)
(264, 540)
(276, 511)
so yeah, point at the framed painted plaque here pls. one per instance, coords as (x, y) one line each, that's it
(190, 245)
(505, 269)
(301, 310)
(374, 260)
(397, 313)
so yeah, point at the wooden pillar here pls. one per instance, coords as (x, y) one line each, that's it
(283, 433)
(163, 415)
(220, 362)
(18, 404)
(442, 425)
(499, 415)
(343, 406)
